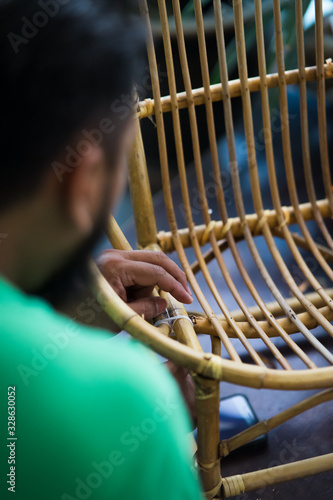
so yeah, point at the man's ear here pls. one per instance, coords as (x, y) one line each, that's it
(85, 189)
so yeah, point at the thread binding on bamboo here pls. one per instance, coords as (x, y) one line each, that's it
(170, 320)
(233, 485)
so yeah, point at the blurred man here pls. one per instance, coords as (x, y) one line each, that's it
(83, 414)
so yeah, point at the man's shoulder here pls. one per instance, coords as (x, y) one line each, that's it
(44, 349)
(102, 400)
(35, 338)
(30, 321)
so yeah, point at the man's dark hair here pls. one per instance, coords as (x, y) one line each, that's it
(63, 63)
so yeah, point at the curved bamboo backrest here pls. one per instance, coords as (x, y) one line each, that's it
(264, 321)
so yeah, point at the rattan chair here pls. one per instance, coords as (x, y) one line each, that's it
(255, 327)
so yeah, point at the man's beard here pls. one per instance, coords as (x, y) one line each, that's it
(70, 281)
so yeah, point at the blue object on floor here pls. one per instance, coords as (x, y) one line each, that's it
(237, 415)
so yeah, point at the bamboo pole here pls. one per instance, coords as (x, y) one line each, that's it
(147, 107)
(183, 328)
(236, 485)
(224, 245)
(116, 236)
(207, 399)
(275, 308)
(202, 325)
(235, 225)
(141, 194)
(305, 124)
(322, 123)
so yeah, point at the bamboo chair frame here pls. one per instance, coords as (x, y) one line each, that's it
(302, 312)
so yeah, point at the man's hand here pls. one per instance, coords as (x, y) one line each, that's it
(133, 275)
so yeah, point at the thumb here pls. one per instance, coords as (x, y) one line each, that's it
(150, 307)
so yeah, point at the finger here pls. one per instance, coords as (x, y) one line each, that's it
(140, 292)
(149, 307)
(117, 286)
(143, 274)
(160, 259)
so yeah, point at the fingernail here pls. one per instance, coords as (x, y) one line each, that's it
(188, 290)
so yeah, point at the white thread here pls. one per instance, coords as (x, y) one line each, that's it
(171, 319)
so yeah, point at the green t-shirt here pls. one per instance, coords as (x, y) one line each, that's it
(96, 417)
